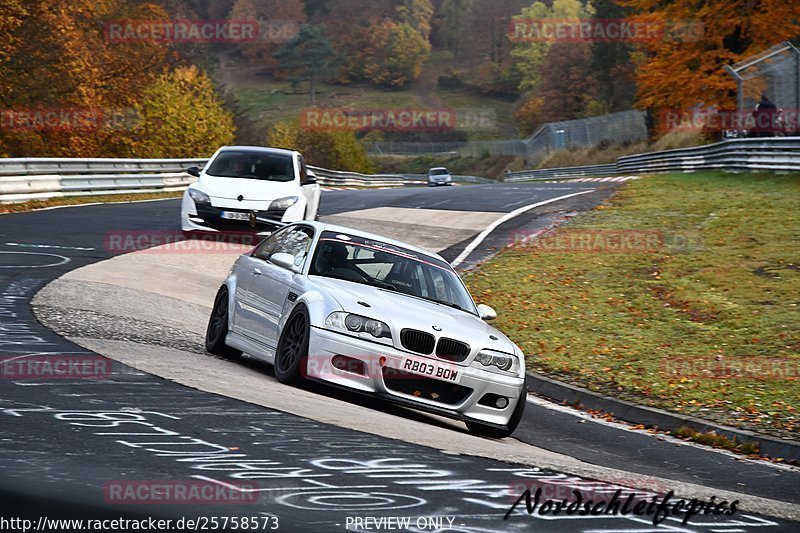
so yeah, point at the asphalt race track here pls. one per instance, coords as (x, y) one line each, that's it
(67, 444)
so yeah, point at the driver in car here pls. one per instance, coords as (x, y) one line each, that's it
(238, 165)
(333, 259)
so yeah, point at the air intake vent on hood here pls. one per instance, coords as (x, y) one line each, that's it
(417, 341)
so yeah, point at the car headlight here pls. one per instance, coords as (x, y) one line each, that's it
(282, 204)
(353, 323)
(499, 360)
(199, 197)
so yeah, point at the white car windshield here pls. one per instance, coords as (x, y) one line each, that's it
(252, 164)
(389, 267)
(438, 171)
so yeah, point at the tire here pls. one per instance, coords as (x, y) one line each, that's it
(492, 432)
(292, 351)
(217, 328)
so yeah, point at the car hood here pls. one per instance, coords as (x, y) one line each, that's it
(400, 311)
(250, 189)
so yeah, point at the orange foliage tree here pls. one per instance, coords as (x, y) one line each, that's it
(684, 66)
(63, 62)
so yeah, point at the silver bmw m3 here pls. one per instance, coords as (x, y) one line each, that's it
(374, 315)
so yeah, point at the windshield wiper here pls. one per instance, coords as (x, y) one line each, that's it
(448, 304)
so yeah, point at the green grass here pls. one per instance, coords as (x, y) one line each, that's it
(266, 101)
(491, 167)
(78, 200)
(671, 326)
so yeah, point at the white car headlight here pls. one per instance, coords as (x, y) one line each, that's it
(492, 360)
(282, 204)
(199, 197)
(352, 323)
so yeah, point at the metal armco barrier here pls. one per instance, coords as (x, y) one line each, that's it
(23, 179)
(774, 154)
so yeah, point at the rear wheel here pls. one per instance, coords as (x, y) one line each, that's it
(482, 430)
(292, 349)
(217, 328)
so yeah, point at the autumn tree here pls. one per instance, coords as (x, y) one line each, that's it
(278, 20)
(309, 57)
(486, 47)
(180, 116)
(529, 53)
(567, 86)
(395, 54)
(612, 66)
(61, 59)
(336, 149)
(685, 67)
(379, 41)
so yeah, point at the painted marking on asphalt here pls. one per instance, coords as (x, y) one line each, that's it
(508, 216)
(63, 261)
(23, 245)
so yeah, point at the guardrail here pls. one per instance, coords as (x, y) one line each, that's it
(774, 154)
(457, 178)
(23, 179)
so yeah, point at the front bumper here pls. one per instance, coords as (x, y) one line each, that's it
(378, 369)
(209, 219)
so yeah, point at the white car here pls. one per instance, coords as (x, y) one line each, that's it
(439, 176)
(250, 189)
(374, 315)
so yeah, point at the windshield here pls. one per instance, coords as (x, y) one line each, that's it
(438, 171)
(389, 267)
(253, 165)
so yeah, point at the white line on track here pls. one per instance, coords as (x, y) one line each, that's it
(63, 260)
(46, 246)
(505, 218)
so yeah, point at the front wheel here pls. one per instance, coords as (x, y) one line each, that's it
(217, 328)
(292, 349)
(492, 432)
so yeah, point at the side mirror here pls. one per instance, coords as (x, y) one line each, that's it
(283, 260)
(486, 312)
(309, 179)
(193, 171)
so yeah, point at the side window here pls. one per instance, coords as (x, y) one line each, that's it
(268, 246)
(297, 243)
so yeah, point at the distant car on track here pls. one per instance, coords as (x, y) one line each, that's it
(374, 315)
(439, 176)
(242, 186)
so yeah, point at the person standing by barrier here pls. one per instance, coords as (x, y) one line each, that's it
(766, 118)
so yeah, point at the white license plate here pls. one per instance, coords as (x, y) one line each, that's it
(430, 369)
(233, 215)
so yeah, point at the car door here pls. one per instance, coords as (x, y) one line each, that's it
(269, 286)
(245, 317)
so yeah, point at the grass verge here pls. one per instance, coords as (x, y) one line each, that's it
(696, 312)
(78, 200)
